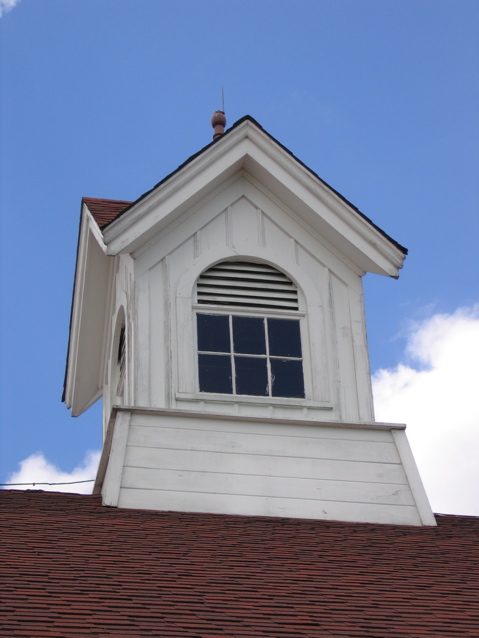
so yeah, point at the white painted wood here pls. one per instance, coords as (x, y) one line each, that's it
(108, 430)
(271, 443)
(191, 462)
(86, 345)
(266, 465)
(243, 199)
(111, 484)
(317, 335)
(203, 481)
(251, 149)
(262, 506)
(154, 356)
(212, 234)
(143, 338)
(361, 357)
(121, 301)
(416, 485)
(359, 431)
(313, 334)
(346, 382)
(244, 226)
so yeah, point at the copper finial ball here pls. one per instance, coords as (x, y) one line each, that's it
(218, 122)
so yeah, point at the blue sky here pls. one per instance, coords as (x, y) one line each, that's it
(103, 98)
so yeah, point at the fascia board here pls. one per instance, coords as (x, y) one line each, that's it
(78, 289)
(345, 228)
(251, 148)
(82, 387)
(167, 202)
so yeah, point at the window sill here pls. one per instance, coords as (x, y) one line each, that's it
(244, 398)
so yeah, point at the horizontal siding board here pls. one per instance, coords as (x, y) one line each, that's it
(265, 486)
(226, 465)
(258, 506)
(268, 427)
(221, 462)
(277, 445)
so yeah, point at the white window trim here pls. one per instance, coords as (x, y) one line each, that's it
(230, 311)
(315, 348)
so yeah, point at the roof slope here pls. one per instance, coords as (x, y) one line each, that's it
(74, 568)
(105, 211)
(111, 211)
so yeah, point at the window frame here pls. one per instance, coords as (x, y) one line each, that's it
(232, 311)
(314, 330)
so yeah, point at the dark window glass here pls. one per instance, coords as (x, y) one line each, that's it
(215, 373)
(267, 362)
(213, 333)
(251, 376)
(248, 335)
(287, 378)
(284, 338)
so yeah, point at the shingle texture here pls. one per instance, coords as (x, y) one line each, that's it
(105, 211)
(72, 568)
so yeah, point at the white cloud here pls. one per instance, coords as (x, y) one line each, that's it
(437, 396)
(37, 469)
(7, 5)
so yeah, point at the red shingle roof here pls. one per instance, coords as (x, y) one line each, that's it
(72, 568)
(105, 210)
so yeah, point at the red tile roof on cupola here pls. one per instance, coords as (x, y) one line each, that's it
(71, 568)
(105, 210)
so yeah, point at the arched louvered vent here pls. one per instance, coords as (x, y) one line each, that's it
(247, 285)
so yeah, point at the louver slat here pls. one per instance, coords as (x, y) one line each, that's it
(247, 285)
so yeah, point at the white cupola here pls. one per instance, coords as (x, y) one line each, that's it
(220, 317)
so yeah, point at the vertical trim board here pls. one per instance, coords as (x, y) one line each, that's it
(113, 476)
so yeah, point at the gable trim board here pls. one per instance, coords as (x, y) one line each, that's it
(247, 147)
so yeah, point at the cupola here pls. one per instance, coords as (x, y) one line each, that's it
(220, 317)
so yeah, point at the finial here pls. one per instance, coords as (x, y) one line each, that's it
(218, 122)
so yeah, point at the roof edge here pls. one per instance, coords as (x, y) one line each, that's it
(249, 118)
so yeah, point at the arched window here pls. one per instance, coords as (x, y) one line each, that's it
(248, 329)
(118, 360)
(121, 362)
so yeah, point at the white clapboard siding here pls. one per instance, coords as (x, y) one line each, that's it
(270, 444)
(238, 465)
(221, 462)
(259, 506)
(203, 481)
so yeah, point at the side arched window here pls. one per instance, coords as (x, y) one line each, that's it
(121, 362)
(118, 360)
(248, 328)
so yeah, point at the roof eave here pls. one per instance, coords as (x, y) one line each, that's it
(85, 359)
(247, 146)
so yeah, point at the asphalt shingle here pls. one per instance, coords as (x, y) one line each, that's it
(71, 567)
